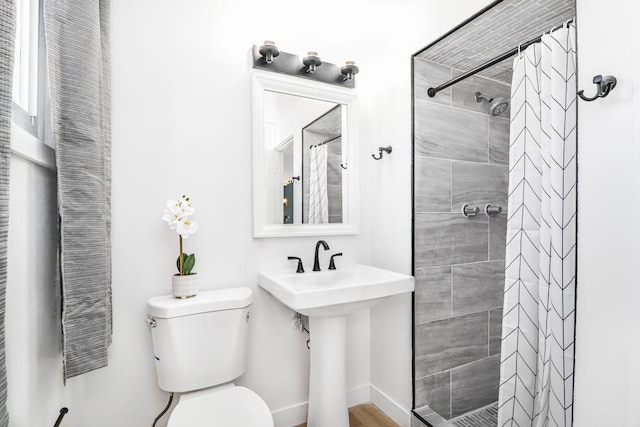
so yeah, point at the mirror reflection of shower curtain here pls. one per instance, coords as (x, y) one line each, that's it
(318, 200)
(536, 367)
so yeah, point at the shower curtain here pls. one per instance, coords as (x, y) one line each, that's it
(318, 199)
(536, 371)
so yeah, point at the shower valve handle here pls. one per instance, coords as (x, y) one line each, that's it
(491, 210)
(469, 211)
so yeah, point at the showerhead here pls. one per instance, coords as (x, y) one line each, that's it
(497, 106)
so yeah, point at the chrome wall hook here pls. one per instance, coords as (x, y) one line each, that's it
(604, 85)
(343, 165)
(386, 149)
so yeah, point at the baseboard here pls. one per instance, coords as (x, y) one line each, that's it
(297, 414)
(291, 416)
(390, 407)
(359, 395)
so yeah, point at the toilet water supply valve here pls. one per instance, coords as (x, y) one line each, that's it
(151, 322)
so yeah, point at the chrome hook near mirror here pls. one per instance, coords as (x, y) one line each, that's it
(388, 149)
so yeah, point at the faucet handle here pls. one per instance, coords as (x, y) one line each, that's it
(300, 267)
(332, 264)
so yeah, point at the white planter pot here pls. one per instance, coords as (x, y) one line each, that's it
(185, 286)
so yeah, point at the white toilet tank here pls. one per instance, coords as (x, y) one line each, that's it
(201, 341)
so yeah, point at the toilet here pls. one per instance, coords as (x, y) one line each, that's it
(200, 347)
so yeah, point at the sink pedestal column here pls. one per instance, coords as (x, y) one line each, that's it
(327, 380)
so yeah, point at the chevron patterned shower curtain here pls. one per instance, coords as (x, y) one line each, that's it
(318, 197)
(536, 371)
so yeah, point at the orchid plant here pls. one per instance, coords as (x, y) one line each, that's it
(177, 214)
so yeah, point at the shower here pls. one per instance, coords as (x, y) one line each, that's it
(497, 106)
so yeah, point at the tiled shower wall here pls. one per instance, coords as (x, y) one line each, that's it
(460, 156)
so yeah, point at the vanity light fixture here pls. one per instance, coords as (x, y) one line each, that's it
(269, 51)
(311, 61)
(288, 63)
(349, 70)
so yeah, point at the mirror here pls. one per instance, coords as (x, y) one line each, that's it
(303, 173)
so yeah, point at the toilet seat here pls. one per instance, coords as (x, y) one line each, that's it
(230, 407)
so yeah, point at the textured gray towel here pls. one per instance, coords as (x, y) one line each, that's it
(77, 36)
(7, 47)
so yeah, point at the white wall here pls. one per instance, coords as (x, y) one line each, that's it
(33, 340)
(390, 196)
(606, 373)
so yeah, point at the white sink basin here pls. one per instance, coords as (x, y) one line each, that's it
(327, 297)
(335, 292)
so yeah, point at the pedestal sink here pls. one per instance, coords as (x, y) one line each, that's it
(327, 297)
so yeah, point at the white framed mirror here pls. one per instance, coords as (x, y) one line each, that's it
(304, 167)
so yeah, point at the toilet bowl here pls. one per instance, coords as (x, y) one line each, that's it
(221, 406)
(200, 346)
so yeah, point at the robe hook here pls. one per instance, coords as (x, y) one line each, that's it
(386, 149)
(604, 85)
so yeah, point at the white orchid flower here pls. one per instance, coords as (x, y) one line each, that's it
(186, 227)
(177, 211)
(171, 216)
(185, 207)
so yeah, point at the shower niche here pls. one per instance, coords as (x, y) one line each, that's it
(460, 163)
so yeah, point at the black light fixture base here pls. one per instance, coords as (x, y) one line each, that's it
(287, 63)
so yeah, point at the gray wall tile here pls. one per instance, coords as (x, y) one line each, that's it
(495, 331)
(450, 133)
(475, 385)
(435, 391)
(428, 74)
(497, 236)
(463, 93)
(444, 344)
(477, 287)
(499, 140)
(479, 184)
(497, 31)
(432, 185)
(445, 239)
(432, 293)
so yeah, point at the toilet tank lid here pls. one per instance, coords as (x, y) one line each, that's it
(167, 306)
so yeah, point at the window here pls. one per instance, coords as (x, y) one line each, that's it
(32, 131)
(25, 76)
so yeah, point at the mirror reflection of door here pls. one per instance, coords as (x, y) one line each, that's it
(288, 202)
(292, 125)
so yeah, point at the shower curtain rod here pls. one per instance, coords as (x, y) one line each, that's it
(432, 91)
(325, 142)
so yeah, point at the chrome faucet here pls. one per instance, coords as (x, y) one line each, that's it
(316, 263)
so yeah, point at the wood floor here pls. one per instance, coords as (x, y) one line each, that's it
(367, 415)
